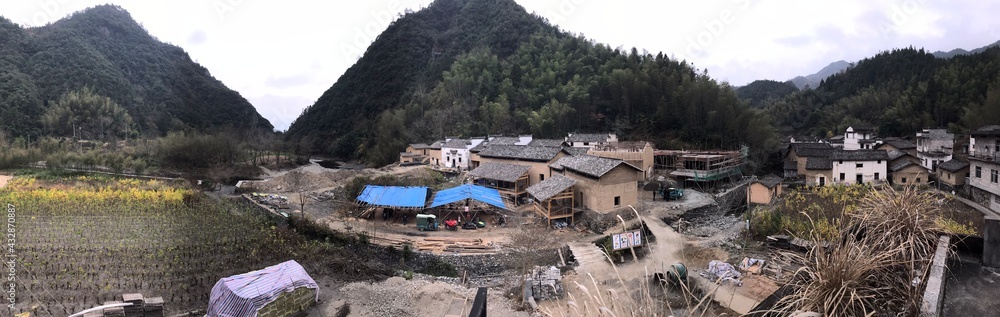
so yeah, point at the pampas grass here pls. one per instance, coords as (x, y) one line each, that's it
(884, 246)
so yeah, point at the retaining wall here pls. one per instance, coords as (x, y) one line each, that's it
(289, 303)
(933, 299)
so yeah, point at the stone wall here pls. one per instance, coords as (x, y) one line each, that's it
(600, 222)
(289, 303)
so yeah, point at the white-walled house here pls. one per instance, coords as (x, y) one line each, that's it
(859, 166)
(934, 146)
(455, 152)
(984, 166)
(595, 140)
(858, 138)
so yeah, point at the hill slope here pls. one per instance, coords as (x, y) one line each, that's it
(899, 92)
(758, 92)
(105, 49)
(488, 67)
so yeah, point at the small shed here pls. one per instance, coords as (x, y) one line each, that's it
(277, 291)
(909, 173)
(764, 190)
(554, 198)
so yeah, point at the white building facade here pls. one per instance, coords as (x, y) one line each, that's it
(858, 138)
(859, 166)
(984, 166)
(934, 146)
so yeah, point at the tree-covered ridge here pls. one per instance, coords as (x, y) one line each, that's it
(758, 92)
(899, 92)
(105, 49)
(495, 69)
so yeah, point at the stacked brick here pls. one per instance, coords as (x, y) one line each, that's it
(290, 303)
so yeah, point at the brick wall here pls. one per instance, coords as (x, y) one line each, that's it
(289, 303)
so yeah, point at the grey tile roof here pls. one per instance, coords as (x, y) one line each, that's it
(769, 181)
(953, 165)
(791, 165)
(819, 163)
(457, 144)
(899, 144)
(550, 187)
(811, 149)
(588, 164)
(989, 130)
(576, 150)
(500, 171)
(436, 145)
(862, 128)
(523, 152)
(588, 137)
(904, 164)
(500, 140)
(937, 134)
(419, 146)
(895, 154)
(859, 155)
(546, 142)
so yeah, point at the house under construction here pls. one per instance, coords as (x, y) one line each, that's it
(701, 166)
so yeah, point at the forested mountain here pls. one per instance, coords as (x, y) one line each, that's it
(959, 51)
(812, 81)
(899, 92)
(758, 92)
(104, 49)
(482, 67)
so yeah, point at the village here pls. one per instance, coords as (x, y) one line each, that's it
(597, 200)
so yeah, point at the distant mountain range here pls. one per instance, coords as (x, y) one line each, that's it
(814, 80)
(103, 48)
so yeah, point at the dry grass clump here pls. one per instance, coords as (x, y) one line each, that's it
(878, 266)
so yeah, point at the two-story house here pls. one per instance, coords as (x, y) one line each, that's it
(934, 146)
(984, 166)
(798, 154)
(592, 140)
(859, 138)
(455, 152)
(859, 166)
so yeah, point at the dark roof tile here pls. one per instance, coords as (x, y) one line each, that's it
(523, 152)
(589, 165)
(953, 165)
(500, 171)
(859, 155)
(550, 187)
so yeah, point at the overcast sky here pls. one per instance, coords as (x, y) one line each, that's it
(282, 55)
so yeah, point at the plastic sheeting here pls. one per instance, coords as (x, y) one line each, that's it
(245, 294)
(394, 196)
(720, 272)
(468, 191)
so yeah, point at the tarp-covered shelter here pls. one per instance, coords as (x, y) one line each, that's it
(245, 294)
(482, 194)
(393, 196)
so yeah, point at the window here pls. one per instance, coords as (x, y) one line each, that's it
(840, 162)
(586, 143)
(979, 172)
(618, 201)
(859, 165)
(878, 162)
(822, 181)
(904, 180)
(993, 176)
(876, 176)
(541, 177)
(918, 180)
(460, 160)
(841, 176)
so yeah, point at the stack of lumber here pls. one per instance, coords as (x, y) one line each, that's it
(439, 245)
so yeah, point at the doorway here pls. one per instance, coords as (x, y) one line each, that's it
(861, 178)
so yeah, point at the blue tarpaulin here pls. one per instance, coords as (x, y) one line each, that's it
(394, 196)
(479, 193)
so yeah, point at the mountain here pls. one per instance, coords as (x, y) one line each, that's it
(813, 80)
(481, 67)
(899, 92)
(959, 51)
(758, 92)
(103, 48)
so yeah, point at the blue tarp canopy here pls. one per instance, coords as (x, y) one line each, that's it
(394, 196)
(479, 193)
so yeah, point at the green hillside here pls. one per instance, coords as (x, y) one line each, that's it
(105, 49)
(759, 92)
(899, 92)
(488, 67)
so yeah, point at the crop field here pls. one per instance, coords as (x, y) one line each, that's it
(82, 241)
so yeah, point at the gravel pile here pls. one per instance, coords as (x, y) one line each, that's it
(305, 180)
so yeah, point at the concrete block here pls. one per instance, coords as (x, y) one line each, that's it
(991, 242)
